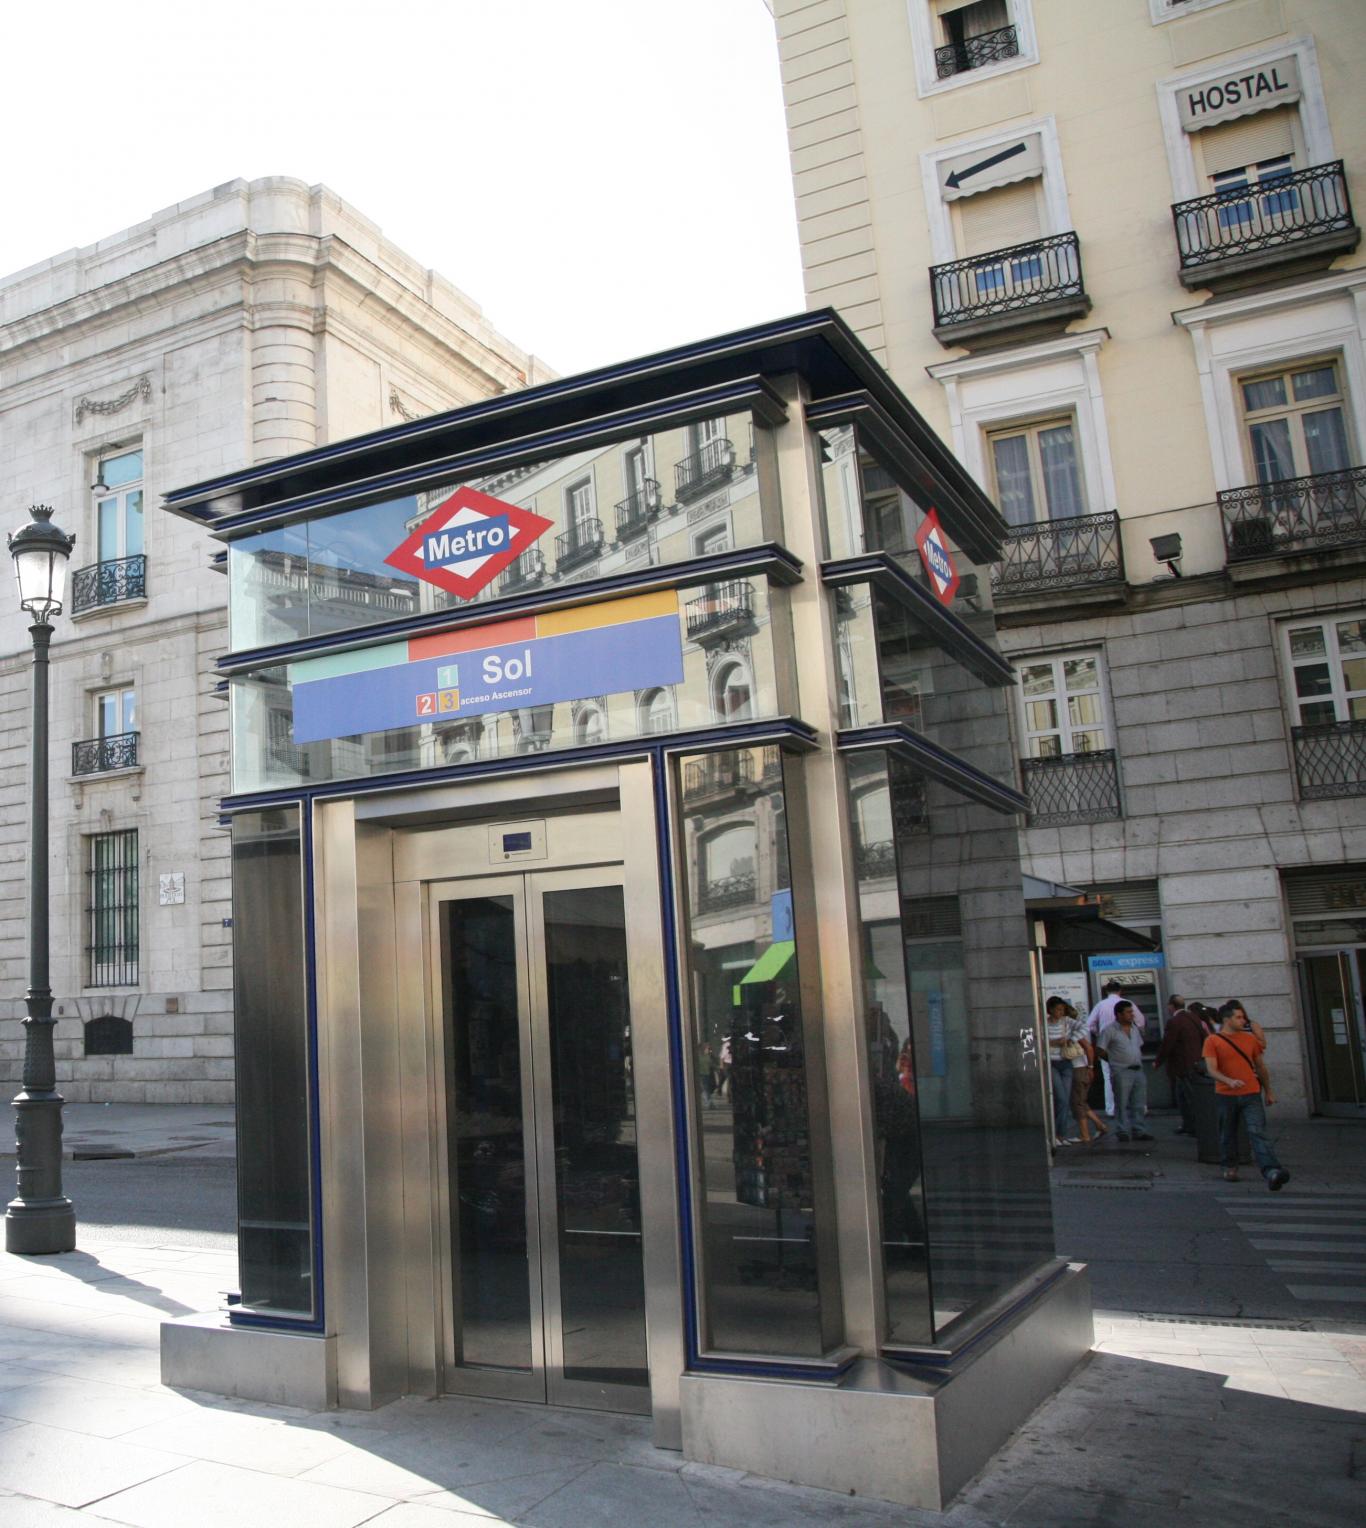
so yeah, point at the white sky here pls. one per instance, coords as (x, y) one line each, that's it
(604, 177)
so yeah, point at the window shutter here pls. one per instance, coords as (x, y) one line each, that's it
(998, 219)
(1248, 140)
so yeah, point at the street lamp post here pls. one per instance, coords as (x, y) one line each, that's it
(40, 1218)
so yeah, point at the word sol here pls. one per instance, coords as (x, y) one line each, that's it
(507, 670)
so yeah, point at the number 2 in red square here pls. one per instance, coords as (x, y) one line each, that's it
(426, 704)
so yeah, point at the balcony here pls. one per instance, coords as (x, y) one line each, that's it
(1330, 760)
(1082, 552)
(727, 891)
(1070, 788)
(718, 774)
(709, 468)
(101, 755)
(973, 52)
(635, 512)
(579, 544)
(1324, 510)
(1285, 225)
(722, 611)
(108, 583)
(1009, 294)
(874, 861)
(525, 573)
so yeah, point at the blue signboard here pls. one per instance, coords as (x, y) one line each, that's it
(1153, 962)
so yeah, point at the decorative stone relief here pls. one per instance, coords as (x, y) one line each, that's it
(142, 388)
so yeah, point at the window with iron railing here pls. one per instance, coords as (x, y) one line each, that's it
(121, 569)
(112, 909)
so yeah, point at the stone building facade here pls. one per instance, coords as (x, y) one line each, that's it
(244, 324)
(1110, 252)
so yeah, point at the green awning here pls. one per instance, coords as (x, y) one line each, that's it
(770, 964)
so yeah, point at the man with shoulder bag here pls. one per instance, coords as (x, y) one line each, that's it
(1233, 1057)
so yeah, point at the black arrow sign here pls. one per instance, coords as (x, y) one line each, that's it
(959, 176)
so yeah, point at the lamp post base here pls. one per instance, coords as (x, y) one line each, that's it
(44, 1227)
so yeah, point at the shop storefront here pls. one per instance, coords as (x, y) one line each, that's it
(1328, 919)
(634, 1006)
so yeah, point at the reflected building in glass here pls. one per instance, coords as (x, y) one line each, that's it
(634, 1001)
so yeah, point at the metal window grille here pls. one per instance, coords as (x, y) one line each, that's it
(1295, 514)
(112, 909)
(1060, 554)
(966, 53)
(1330, 760)
(1072, 788)
(1007, 280)
(108, 583)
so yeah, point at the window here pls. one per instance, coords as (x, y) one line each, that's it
(731, 689)
(716, 538)
(1036, 473)
(1248, 162)
(1327, 662)
(578, 502)
(116, 713)
(118, 507)
(633, 470)
(590, 726)
(112, 909)
(1001, 219)
(1063, 706)
(656, 712)
(1295, 425)
(973, 33)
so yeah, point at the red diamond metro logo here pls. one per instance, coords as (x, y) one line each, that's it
(467, 541)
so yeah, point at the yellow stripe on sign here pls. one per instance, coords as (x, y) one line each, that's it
(639, 607)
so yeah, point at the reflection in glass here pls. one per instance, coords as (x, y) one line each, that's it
(597, 1180)
(275, 1229)
(492, 1295)
(766, 1290)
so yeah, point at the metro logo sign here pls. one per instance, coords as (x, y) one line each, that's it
(934, 553)
(467, 541)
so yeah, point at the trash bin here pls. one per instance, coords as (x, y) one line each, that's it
(1205, 1114)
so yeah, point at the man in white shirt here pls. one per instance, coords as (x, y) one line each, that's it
(1101, 1015)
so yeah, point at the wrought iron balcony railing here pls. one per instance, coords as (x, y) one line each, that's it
(875, 860)
(726, 891)
(972, 52)
(98, 755)
(1330, 760)
(580, 543)
(635, 512)
(718, 772)
(722, 609)
(1072, 788)
(529, 569)
(1325, 509)
(109, 583)
(1281, 211)
(1017, 280)
(705, 469)
(1060, 554)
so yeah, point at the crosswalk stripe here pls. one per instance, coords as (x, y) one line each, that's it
(1307, 1228)
(1327, 1292)
(1316, 1265)
(1290, 1245)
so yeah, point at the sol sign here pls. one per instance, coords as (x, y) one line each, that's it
(467, 541)
(934, 553)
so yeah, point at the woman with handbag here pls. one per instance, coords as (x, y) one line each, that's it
(1082, 1055)
(1060, 1014)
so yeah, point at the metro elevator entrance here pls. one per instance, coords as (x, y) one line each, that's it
(544, 1236)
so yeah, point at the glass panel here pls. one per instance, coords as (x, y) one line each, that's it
(115, 471)
(1351, 637)
(1266, 394)
(1014, 488)
(1325, 440)
(1084, 710)
(132, 524)
(1080, 674)
(275, 1221)
(742, 619)
(1305, 640)
(1313, 679)
(332, 572)
(766, 1284)
(108, 707)
(1321, 382)
(107, 530)
(492, 1294)
(1356, 709)
(130, 711)
(1271, 450)
(1062, 485)
(1354, 674)
(1042, 715)
(597, 1184)
(1037, 679)
(1318, 711)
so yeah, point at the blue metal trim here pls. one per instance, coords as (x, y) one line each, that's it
(948, 768)
(943, 1359)
(760, 1369)
(238, 1317)
(820, 323)
(883, 571)
(768, 559)
(751, 392)
(787, 731)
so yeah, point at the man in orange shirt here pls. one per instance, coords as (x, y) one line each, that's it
(1233, 1058)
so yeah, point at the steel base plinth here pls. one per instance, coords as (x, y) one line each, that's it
(31, 1230)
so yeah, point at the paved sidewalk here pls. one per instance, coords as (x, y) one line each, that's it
(92, 1131)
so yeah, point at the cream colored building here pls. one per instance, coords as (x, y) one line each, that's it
(252, 321)
(1109, 250)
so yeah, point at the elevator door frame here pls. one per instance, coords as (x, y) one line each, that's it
(545, 1380)
(1351, 961)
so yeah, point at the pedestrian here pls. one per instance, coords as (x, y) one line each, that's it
(1180, 1054)
(1058, 1011)
(1097, 1019)
(1083, 1071)
(1121, 1044)
(1233, 1058)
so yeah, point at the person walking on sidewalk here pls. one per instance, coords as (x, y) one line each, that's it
(1233, 1058)
(1061, 1016)
(1182, 1044)
(1121, 1044)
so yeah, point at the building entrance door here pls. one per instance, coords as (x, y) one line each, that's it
(544, 1272)
(1333, 990)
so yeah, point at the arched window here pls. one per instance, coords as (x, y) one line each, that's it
(657, 711)
(590, 726)
(731, 693)
(730, 861)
